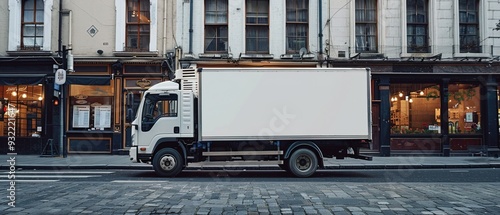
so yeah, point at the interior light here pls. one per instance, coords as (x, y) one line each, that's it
(24, 95)
(411, 100)
(421, 92)
(400, 94)
(40, 98)
(14, 93)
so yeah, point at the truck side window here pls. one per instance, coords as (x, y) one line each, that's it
(156, 106)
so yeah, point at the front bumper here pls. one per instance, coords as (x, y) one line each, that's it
(133, 154)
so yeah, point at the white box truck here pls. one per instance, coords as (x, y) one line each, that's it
(291, 117)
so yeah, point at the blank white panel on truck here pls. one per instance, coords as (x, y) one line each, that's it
(284, 104)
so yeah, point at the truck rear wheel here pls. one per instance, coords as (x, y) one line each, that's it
(303, 163)
(167, 162)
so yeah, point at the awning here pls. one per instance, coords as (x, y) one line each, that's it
(21, 79)
(88, 80)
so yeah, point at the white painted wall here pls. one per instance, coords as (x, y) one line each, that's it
(236, 25)
(172, 30)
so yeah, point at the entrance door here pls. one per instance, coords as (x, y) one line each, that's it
(375, 126)
(132, 101)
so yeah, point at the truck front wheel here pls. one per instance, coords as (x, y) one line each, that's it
(303, 163)
(167, 162)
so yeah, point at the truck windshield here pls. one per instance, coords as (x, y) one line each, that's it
(157, 106)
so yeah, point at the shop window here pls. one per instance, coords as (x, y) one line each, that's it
(91, 108)
(26, 102)
(415, 109)
(464, 109)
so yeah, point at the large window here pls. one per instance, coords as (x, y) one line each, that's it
(257, 26)
(91, 108)
(26, 101)
(464, 110)
(469, 26)
(138, 25)
(366, 26)
(417, 26)
(415, 108)
(297, 23)
(216, 39)
(32, 25)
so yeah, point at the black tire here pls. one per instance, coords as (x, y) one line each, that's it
(168, 162)
(303, 163)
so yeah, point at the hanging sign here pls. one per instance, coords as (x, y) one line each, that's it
(60, 76)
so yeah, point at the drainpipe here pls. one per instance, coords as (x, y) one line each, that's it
(59, 47)
(191, 27)
(320, 23)
(165, 27)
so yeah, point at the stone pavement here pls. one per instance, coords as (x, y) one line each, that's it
(85, 161)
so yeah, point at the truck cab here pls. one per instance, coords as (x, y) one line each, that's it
(165, 114)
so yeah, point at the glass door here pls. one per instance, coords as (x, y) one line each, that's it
(132, 101)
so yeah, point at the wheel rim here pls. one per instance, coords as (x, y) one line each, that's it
(167, 162)
(303, 162)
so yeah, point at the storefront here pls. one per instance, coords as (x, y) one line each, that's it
(24, 90)
(101, 104)
(437, 110)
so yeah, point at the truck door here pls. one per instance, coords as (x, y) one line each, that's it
(159, 117)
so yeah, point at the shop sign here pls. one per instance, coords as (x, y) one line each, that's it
(60, 76)
(143, 83)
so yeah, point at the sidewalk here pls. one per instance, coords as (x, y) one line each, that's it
(83, 161)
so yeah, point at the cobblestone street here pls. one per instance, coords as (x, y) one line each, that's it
(226, 197)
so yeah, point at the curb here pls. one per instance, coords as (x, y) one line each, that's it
(334, 167)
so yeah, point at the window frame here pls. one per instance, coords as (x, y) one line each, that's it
(292, 26)
(463, 48)
(15, 26)
(484, 31)
(217, 27)
(120, 27)
(139, 25)
(34, 22)
(424, 48)
(257, 26)
(366, 23)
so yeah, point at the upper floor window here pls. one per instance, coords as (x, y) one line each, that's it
(417, 26)
(32, 25)
(257, 26)
(366, 26)
(297, 21)
(216, 35)
(138, 25)
(469, 26)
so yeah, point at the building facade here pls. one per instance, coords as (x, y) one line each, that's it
(111, 51)
(435, 64)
